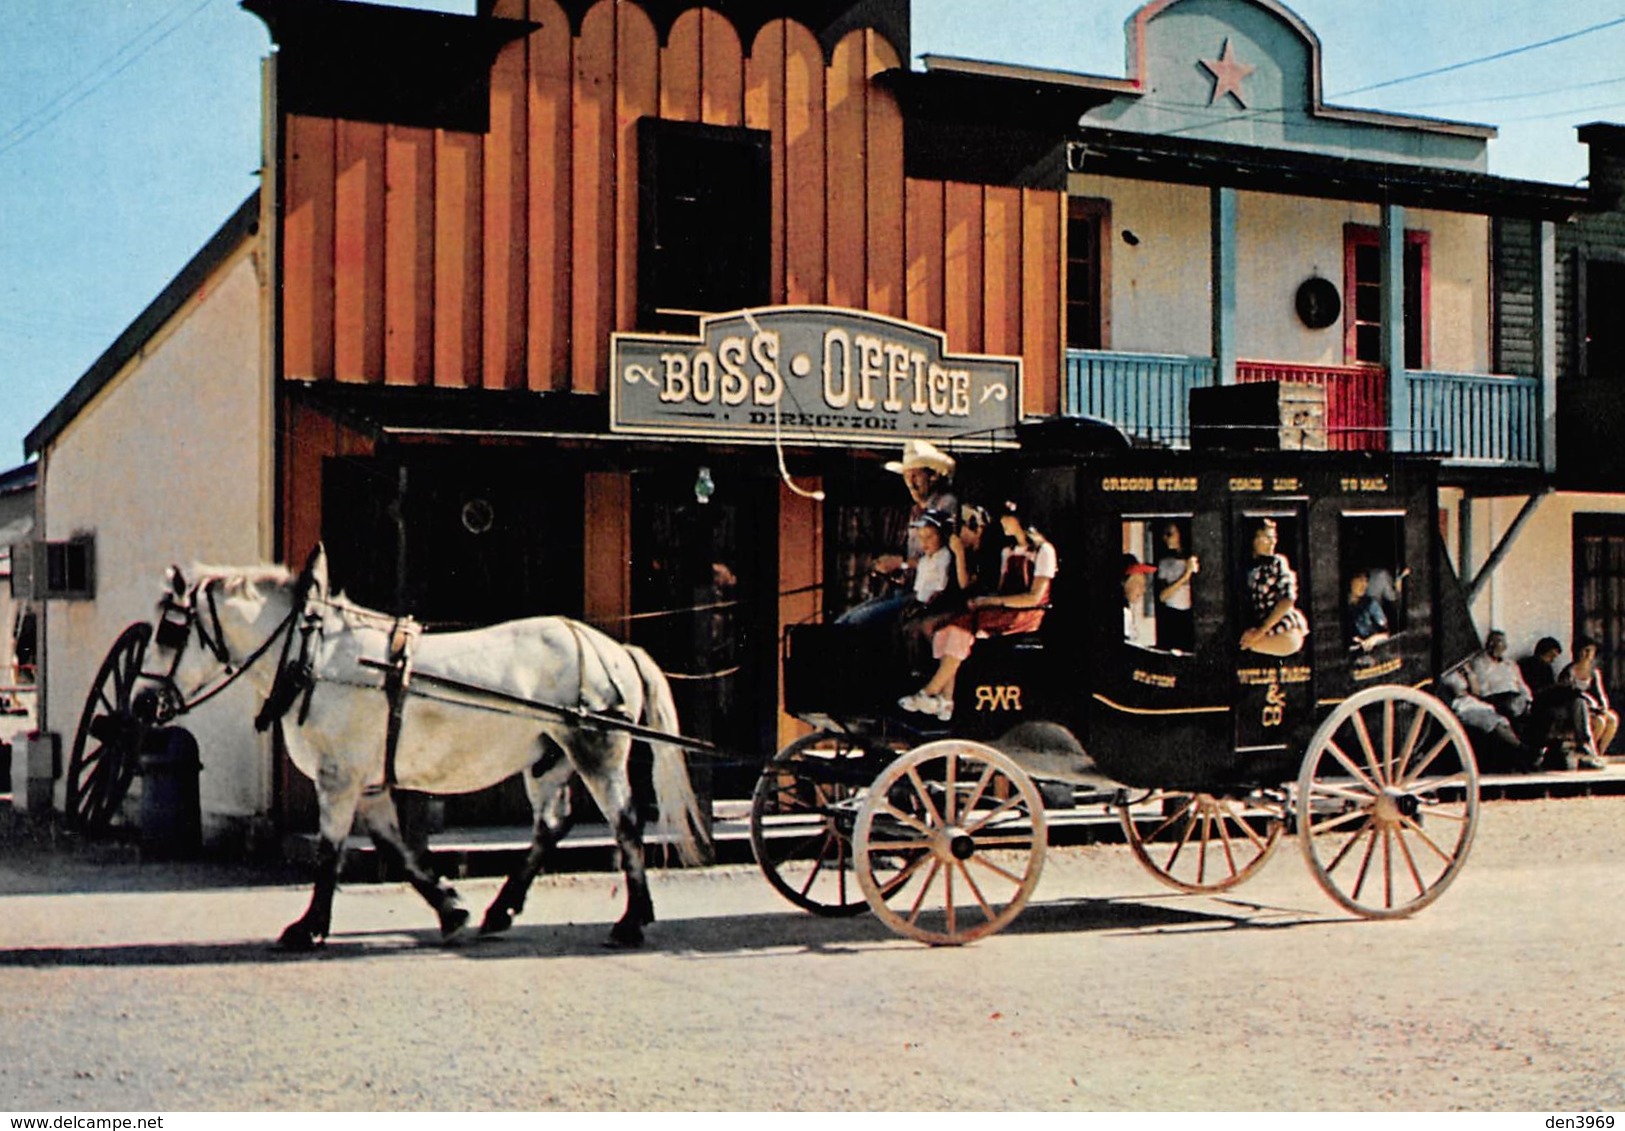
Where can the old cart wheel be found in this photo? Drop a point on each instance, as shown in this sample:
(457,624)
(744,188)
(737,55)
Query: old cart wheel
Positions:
(950,842)
(1199,842)
(802,815)
(1387,801)
(107,745)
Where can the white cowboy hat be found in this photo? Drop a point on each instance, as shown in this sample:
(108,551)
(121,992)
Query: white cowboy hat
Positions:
(922,453)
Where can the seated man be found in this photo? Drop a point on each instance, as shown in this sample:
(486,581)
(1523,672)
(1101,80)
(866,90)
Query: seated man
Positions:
(1539,668)
(1496,680)
(1496,744)
(926,472)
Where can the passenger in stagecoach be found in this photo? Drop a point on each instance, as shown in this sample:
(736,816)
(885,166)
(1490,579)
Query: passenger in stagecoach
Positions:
(970,573)
(1135,573)
(926,472)
(1028,564)
(1368,621)
(934,574)
(1279,626)
(1176,570)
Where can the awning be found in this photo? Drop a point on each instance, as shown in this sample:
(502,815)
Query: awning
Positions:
(1191,161)
(394,412)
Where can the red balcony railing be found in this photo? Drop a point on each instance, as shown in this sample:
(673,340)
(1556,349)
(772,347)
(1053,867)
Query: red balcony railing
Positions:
(1356,399)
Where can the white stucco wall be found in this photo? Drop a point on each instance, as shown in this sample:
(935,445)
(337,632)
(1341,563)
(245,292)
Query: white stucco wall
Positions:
(168,464)
(1531,594)
(1281,241)
(1459,301)
(1161,286)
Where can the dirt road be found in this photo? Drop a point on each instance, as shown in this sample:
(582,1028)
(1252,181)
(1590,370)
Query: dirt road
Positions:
(1108,993)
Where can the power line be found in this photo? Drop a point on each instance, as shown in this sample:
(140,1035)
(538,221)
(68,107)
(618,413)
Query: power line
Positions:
(77,92)
(1485,58)
(1575,112)
(1515,97)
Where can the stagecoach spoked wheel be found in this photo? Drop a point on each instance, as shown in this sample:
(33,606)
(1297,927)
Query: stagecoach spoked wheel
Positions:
(802,815)
(107,745)
(1387,801)
(950,842)
(1200,842)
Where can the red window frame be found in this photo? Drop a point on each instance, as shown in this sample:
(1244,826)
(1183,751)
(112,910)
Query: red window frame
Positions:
(1418,295)
(1088,314)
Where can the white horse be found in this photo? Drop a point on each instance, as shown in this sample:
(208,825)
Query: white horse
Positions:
(331,700)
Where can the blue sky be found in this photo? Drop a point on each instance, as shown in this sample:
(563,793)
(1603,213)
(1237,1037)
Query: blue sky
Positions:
(129,129)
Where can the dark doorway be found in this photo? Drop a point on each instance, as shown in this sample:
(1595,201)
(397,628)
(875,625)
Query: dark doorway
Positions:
(1603,332)
(704,604)
(455,537)
(458,537)
(1599,591)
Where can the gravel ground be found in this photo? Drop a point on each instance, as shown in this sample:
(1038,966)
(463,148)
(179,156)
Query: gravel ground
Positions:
(145,987)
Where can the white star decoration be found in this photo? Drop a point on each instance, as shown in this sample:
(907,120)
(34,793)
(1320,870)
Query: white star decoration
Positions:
(1228,71)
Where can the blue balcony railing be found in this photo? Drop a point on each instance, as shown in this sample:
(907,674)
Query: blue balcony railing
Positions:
(1476,418)
(1470,418)
(1147,395)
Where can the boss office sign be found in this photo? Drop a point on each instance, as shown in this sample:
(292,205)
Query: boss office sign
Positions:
(809,374)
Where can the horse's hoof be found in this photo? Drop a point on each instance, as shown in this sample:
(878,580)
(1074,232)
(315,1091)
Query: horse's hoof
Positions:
(299,938)
(452,923)
(497,920)
(625,936)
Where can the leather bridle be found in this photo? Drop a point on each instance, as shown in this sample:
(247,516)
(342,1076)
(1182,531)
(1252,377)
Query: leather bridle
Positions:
(179,620)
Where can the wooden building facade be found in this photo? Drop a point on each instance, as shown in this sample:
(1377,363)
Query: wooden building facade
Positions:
(449,282)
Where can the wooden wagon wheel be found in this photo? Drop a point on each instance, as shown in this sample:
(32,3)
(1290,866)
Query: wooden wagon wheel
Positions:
(1387,801)
(802,815)
(1200,842)
(107,745)
(950,842)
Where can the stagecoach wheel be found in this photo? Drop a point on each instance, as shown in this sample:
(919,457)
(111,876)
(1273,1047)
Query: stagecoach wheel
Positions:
(802,815)
(1202,843)
(1387,801)
(950,842)
(107,745)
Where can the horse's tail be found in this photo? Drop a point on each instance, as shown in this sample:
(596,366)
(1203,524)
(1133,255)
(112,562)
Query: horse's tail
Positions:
(679,821)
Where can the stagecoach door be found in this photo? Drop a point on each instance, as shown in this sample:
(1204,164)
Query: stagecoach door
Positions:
(1274,694)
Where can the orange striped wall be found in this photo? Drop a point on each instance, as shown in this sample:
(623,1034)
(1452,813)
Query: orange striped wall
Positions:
(504,260)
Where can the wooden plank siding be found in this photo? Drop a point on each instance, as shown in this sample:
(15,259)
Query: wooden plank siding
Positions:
(504,260)
(505,216)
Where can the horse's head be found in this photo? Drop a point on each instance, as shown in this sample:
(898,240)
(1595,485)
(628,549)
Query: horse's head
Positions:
(217,622)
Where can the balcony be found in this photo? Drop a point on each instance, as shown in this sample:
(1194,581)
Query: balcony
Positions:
(1476,419)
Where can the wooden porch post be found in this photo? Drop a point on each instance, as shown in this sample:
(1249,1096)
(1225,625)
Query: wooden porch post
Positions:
(1223,266)
(1391,246)
(1546,339)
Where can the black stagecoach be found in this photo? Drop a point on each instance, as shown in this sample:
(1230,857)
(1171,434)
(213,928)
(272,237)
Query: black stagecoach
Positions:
(1210,752)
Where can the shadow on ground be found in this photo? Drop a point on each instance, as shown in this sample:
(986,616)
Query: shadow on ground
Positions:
(695,937)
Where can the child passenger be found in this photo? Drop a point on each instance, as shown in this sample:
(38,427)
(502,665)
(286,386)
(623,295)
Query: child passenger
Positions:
(1027,566)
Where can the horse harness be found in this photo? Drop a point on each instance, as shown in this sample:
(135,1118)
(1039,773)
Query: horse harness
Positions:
(397,681)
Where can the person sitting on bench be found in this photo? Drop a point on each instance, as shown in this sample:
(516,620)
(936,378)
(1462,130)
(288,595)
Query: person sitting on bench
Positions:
(1027,566)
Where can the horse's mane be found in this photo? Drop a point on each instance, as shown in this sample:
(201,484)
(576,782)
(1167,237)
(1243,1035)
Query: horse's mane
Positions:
(267,574)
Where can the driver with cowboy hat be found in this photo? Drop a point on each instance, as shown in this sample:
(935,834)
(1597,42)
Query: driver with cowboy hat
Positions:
(925,469)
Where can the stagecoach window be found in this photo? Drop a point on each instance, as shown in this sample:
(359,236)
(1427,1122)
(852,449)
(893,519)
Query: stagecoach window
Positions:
(1371,561)
(1160,565)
